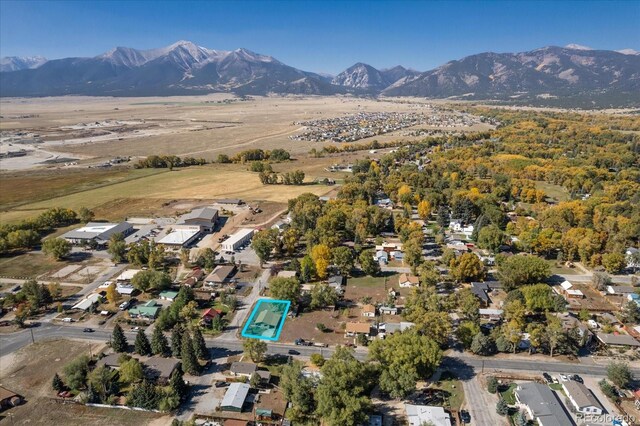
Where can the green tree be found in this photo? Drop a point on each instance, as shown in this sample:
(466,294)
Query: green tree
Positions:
(467,267)
(151,280)
(57,384)
(404,358)
(630,312)
(620,374)
(502,408)
(285,289)
(185,257)
(516,271)
(343,259)
(199,344)
(159,343)
(368,263)
(102,379)
(56,248)
(75,372)
(307,269)
(492,384)
(118,340)
(36,294)
(254,380)
(177,383)
(262,244)
(141,344)
(130,370)
(323,295)
(469,305)
(144,396)
(296,388)
(85,215)
(466,331)
(520,419)
(553,333)
(321,255)
(317,360)
(117,248)
(342,393)
(176,340)
(255,349)
(491,238)
(614,262)
(483,345)
(188,356)
(206,258)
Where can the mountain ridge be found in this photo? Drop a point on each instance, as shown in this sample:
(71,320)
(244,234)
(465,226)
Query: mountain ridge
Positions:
(186,68)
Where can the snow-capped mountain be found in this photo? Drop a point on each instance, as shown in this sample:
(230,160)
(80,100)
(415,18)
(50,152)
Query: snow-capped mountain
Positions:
(17,63)
(570,72)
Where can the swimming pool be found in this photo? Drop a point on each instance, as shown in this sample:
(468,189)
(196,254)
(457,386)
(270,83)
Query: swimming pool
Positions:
(266,319)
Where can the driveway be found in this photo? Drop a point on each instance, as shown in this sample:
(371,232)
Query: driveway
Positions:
(480,404)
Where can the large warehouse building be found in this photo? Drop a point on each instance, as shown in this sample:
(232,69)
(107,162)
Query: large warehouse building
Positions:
(238,239)
(98,231)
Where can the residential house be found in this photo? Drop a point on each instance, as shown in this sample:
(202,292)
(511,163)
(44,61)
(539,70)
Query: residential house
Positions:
(336,280)
(127,276)
(220,275)
(234,397)
(369,311)
(408,280)
(542,404)
(382,257)
(482,290)
(634,297)
(491,314)
(111,361)
(159,369)
(581,397)
(352,329)
(418,415)
(620,290)
(203,295)
(243,369)
(568,291)
(393,327)
(124,289)
(569,321)
(617,340)
(204,217)
(631,254)
(209,315)
(88,302)
(388,310)
(286,274)
(169,295)
(457,226)
(147,311)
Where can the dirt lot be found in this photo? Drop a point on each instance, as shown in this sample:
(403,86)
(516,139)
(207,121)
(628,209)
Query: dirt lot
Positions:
(304,326)
(592,301)
(29,372)
(38,264)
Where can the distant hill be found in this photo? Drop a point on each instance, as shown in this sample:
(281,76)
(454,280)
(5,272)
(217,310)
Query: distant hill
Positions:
(17,63)
(573,73)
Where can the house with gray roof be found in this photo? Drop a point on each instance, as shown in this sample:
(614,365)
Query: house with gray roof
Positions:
(619,340)
(581,397)
(542,405)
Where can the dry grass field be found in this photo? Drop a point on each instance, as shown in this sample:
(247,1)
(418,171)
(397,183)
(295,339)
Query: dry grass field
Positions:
(29,372)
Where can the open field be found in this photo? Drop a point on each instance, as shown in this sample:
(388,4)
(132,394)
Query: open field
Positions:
(98,128)
(29,372)
(27,265)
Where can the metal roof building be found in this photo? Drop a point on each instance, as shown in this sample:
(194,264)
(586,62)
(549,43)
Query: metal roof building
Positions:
(239,238)
(234,397)
(98,231)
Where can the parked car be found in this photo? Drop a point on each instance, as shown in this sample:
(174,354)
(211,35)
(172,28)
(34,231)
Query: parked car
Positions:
(547,378)
(293,352)
(135,328)
(564,378)
(221,384)
(465,417)
(87,330)
(577,378)
(67,319)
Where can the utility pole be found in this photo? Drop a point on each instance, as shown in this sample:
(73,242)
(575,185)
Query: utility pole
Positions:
(32,338)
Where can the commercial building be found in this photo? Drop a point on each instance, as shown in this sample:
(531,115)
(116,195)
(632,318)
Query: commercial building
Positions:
(220,275)
(88,302)
(204,217)
(182,237)
(98,232)
(238,239)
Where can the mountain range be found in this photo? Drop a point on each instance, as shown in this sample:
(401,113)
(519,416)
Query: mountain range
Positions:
(572,72)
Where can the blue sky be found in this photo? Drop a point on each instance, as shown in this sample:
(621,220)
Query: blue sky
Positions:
(321,36)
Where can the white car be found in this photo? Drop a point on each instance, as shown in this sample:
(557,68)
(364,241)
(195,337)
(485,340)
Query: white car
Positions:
(564,378)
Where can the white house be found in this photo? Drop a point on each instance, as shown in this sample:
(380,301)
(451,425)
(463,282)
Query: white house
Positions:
(425,414)
(633,260)
(124,289)
(89,301)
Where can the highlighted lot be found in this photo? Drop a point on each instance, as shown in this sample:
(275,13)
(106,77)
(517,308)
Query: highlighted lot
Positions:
(266,320)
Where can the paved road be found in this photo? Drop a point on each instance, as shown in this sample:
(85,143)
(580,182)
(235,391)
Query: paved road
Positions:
(480,404)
